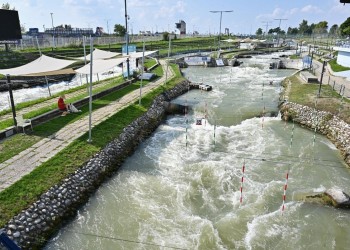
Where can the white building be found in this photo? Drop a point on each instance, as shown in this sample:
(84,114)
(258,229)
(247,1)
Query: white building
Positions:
(343,56)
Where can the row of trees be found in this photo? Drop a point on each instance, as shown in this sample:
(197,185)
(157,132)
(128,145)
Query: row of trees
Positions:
(306,29)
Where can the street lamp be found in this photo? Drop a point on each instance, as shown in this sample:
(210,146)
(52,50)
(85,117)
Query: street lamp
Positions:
(220,11)
(127,40)
(108,25)
(51,19)
(53,31)
(279,27)
(167,65)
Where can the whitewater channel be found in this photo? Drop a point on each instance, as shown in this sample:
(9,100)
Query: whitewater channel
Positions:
(181,188)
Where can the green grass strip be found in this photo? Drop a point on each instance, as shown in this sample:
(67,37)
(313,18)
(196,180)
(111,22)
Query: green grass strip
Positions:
(336,67)
(27,190)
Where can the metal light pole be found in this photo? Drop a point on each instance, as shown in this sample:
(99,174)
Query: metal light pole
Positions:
(267,26)
(9,85)
(127,40)
(167,62)
(109,43)
(108,26)
(323,69)
(220,11)
(53,30)
(143,65)
(90,90)
(279,27)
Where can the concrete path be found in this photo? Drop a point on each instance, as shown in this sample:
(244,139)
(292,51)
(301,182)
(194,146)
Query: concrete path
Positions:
(15,168)
(329,78)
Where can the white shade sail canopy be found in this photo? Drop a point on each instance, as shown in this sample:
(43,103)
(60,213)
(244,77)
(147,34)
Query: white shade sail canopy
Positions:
(139,54)
(38,66)
(100,54)
(100,66)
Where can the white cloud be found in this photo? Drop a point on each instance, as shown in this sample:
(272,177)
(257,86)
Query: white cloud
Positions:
(311,9)
(292,11)
(276,13)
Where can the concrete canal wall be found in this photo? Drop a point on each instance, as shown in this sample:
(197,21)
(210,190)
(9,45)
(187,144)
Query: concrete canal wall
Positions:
(337,130)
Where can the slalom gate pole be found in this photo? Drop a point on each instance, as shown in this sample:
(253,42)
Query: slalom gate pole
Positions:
(292,135)
(314,137)
(242,180)
(214,134)
(186,120)
(263,117)
(206,114)
(284,192)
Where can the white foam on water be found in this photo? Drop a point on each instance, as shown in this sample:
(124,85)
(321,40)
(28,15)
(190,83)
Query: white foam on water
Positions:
(270,225)
(190,197)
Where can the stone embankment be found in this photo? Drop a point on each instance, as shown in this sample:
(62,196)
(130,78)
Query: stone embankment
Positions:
(32,227)
(326,123)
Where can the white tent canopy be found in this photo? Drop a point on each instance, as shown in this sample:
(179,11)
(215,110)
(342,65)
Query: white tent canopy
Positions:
(40,65)
(100,66)
(139,54)
(99,54)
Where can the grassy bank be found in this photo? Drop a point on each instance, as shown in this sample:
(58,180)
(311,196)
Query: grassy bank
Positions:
(336,67)
(24,192)
(307,94)
(19,142)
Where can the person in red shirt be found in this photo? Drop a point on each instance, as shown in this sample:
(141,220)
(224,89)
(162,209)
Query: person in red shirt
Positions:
(62,106)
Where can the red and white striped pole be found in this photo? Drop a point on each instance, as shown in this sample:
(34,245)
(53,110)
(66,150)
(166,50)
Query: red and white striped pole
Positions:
(206,114)
(242,180)
(284,191)
(263,117)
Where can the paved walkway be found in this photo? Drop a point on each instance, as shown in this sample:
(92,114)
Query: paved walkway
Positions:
(328,78)
(15,168)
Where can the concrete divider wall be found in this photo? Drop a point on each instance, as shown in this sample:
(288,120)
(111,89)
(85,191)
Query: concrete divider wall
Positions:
(337,130)
(36,224)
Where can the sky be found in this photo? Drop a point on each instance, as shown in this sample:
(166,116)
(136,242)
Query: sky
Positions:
(161,15)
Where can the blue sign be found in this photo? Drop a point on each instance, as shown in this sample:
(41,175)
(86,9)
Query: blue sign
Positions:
(131,49)
(307,60)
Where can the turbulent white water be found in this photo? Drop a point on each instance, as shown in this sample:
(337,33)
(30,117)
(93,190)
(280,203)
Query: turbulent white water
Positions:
(169,195)
(29,94)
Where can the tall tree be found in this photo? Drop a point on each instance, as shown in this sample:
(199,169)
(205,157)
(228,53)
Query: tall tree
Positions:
(345,27)
(259,32)
(275,30)
(119,30)
(292,31)
(6,6)
(334,29)
(303,27)
(321,27)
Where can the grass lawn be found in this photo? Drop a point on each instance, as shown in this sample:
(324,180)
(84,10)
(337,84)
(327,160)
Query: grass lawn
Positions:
(26,191)
(307,94)
(336,67)
(111,83)
(13,146)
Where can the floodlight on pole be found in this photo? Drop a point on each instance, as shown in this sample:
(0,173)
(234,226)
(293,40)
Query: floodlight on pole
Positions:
(51,19)
(279,27)
(53,30)
(267,26)
(220,11)
(127,40)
